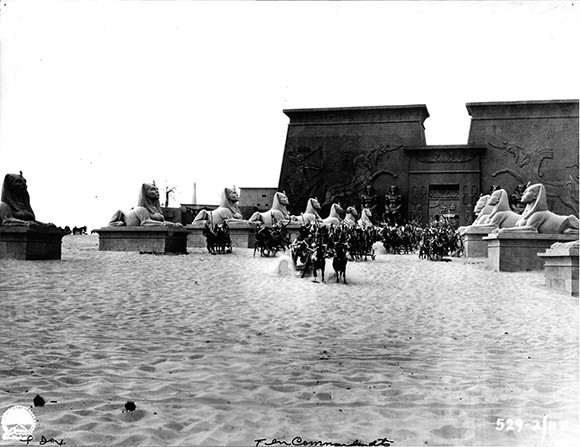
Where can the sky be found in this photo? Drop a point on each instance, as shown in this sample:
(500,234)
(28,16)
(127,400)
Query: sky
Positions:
(98,97)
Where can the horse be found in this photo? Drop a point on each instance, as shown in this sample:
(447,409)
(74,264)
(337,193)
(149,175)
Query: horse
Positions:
(79,230)
(210,238)
(334,217)
(315,260)
(339,262)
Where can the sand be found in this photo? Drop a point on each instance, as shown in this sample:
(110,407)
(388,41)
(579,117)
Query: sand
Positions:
(230,349)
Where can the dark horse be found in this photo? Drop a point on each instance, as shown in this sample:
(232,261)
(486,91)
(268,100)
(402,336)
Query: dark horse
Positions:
(79,230)
(339,262)
(315,260)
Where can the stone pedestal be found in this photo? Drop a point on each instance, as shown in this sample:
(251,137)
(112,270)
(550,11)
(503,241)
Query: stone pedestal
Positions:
(473,243)
(561,267)
(516,252)
(30,243)
(243,234)
(154,239)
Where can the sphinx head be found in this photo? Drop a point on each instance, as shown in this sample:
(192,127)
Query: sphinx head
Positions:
(314,203)
(532,193)
(16,183)
(495,197)
(481,202)
(232,195)
(352,210)
(282,198)
(151,191)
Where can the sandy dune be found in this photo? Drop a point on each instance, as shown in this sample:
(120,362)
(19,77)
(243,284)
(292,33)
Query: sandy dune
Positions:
(226,350)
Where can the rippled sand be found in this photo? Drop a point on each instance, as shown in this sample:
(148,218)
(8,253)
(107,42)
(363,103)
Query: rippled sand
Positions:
(226,350)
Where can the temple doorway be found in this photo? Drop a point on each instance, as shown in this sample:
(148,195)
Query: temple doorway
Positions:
(444,202)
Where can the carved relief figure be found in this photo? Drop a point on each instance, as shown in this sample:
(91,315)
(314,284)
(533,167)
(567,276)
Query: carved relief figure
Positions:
(516,204)
(529,164)
(365,171)
(369,199)
(147,212)
(15,209)
(537,219)
(306,175)
(277,214)
(227,211)
(393,205)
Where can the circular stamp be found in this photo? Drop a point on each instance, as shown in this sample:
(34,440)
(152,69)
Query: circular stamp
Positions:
(18,422)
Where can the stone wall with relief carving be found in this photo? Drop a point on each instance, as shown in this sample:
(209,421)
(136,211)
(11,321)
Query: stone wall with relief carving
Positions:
(333,154)
(529,141)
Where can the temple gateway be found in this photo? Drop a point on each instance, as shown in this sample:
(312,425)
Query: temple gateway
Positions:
(377,157)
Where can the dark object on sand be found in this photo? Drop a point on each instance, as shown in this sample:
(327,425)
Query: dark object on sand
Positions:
(130,406)
(38,401)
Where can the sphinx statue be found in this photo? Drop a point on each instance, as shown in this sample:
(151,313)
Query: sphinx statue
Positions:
(147,212)
(351,216)
(227,211)
(311,214)
(277,214)
(334,218)
(365,220)
(482,209)
(501,215)
(537,219)
(15,209)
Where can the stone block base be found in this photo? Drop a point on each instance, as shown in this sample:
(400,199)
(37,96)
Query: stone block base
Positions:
(561,267)
(153,239)
(516,252)
(30,243)
(473,243)
(243,234)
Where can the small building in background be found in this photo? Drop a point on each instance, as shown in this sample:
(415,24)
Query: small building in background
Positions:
(255,199)
(190,210)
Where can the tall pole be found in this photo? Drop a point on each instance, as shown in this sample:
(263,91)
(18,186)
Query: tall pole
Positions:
(194,193)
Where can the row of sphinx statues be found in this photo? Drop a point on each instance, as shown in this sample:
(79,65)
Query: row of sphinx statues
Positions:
(494,214)
(493,211)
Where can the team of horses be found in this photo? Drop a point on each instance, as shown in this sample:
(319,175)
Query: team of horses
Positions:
(319,240)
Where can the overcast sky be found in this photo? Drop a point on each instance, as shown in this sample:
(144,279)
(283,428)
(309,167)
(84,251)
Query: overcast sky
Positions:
(98,97)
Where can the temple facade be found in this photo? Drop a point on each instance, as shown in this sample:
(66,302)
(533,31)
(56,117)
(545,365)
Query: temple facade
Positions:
(378,155)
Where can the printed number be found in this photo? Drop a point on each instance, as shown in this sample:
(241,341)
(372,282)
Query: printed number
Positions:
(509,425)
(536,425)
(519,424)
(499,424)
